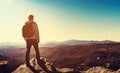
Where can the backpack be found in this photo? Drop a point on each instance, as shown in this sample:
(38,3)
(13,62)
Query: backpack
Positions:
(27,30)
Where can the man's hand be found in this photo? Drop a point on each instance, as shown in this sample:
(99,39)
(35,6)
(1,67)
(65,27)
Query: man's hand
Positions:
(38,41)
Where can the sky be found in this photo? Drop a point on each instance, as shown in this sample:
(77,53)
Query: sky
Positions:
(60,20)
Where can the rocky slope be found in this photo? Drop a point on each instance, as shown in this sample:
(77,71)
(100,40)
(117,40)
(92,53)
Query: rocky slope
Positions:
(100,70)
(37,69)
(85,56)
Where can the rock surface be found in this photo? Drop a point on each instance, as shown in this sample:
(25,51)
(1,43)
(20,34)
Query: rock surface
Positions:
(24,69)
(100,70)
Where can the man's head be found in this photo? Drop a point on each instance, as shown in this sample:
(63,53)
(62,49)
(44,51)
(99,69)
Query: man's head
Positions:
(30,17)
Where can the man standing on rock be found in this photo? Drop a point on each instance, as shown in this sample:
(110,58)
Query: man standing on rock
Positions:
(30,33)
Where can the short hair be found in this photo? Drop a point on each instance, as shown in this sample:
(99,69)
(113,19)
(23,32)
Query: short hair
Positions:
(30,17)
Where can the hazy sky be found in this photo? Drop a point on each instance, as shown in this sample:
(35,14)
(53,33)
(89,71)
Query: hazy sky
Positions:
(60,20)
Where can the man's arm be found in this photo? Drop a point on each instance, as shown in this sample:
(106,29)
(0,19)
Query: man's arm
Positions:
(37,32)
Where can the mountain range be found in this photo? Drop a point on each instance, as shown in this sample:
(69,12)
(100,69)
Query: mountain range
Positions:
(54,43)
(75,54)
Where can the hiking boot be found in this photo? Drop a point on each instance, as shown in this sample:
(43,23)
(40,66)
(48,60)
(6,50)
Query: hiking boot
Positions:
(42,65)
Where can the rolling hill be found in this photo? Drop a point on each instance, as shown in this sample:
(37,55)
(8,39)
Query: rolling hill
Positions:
(75,54)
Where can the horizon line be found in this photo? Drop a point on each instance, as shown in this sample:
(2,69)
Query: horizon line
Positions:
(60,41)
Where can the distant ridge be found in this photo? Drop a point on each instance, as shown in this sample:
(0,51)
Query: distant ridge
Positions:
(6,45)
(79,42)
(63,43)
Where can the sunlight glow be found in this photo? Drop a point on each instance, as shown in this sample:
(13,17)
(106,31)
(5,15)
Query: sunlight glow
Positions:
(10,1)
(57,23)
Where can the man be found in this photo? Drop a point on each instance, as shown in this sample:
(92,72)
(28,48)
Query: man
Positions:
(30,33)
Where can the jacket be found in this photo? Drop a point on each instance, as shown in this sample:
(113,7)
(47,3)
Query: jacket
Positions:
(36,33)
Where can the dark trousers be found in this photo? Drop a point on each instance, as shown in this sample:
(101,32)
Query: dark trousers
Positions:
(29,44)
(34,43)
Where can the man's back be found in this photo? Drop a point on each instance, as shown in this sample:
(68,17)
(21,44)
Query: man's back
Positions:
(27,30)
(34,31)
